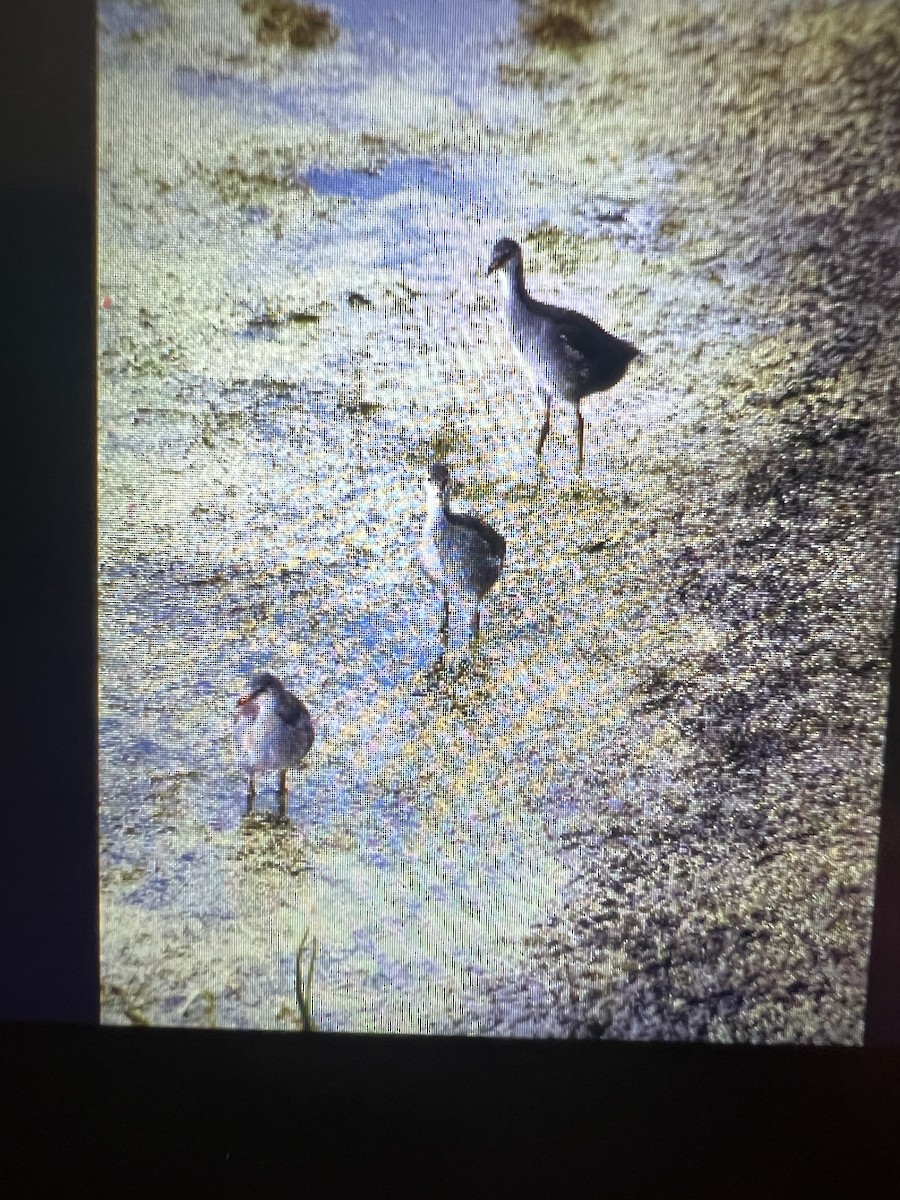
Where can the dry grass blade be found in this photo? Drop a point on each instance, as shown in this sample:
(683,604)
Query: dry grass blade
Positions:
(304,986)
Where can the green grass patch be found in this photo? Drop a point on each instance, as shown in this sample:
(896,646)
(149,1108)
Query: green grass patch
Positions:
(303,981)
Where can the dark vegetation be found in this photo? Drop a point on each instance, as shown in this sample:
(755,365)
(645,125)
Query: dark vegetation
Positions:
(736,908)
(564,24)
(284,22)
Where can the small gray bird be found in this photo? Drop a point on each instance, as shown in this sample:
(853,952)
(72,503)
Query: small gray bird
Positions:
(273,731)
(461,554)
(568,355)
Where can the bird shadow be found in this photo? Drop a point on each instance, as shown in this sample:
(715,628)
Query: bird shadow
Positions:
(271,842)
(449,670)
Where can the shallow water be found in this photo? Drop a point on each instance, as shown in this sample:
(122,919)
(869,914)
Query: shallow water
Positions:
(413,808)
(299,321)
(275,527)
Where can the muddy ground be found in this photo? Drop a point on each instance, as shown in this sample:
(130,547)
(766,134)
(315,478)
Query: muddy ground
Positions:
(648,807)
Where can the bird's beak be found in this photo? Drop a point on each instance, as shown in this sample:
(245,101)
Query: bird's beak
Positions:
(497,261)
(243,700)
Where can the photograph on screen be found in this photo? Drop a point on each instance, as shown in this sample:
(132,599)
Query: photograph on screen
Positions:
(497,487)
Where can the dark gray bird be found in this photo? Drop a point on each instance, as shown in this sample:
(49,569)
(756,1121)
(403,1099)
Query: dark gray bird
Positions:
(568,355)
(273,731)
(461,554)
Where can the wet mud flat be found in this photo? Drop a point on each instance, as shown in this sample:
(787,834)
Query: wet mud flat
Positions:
(648,807)
(743,913)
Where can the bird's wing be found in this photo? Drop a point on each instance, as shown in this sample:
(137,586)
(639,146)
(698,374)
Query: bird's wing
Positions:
(597,358)
(496,541)
(578,332)
(589,339)
(579,337)
(291,709)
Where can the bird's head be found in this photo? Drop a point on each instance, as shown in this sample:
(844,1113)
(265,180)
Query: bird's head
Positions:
(437,481)
(506,253)
(259,684)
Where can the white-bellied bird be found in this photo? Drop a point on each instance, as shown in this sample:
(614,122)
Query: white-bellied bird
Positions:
(568,355)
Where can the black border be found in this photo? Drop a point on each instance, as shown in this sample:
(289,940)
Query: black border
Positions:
(883,999)
(47,253)
(150,1112)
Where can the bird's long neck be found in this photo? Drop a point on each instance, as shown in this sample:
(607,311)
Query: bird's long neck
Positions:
(268,702)
(437,506)
(514,285)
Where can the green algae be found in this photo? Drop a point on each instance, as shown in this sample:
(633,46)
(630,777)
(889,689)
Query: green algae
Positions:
(611,681)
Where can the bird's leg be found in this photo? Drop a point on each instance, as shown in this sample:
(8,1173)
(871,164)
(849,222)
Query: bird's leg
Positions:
(476,624)
(282,794)
(580,440)
(444,633)
(545,428)
(251,794)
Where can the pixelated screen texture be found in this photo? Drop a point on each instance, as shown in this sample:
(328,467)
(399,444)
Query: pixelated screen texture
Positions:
(643,802)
